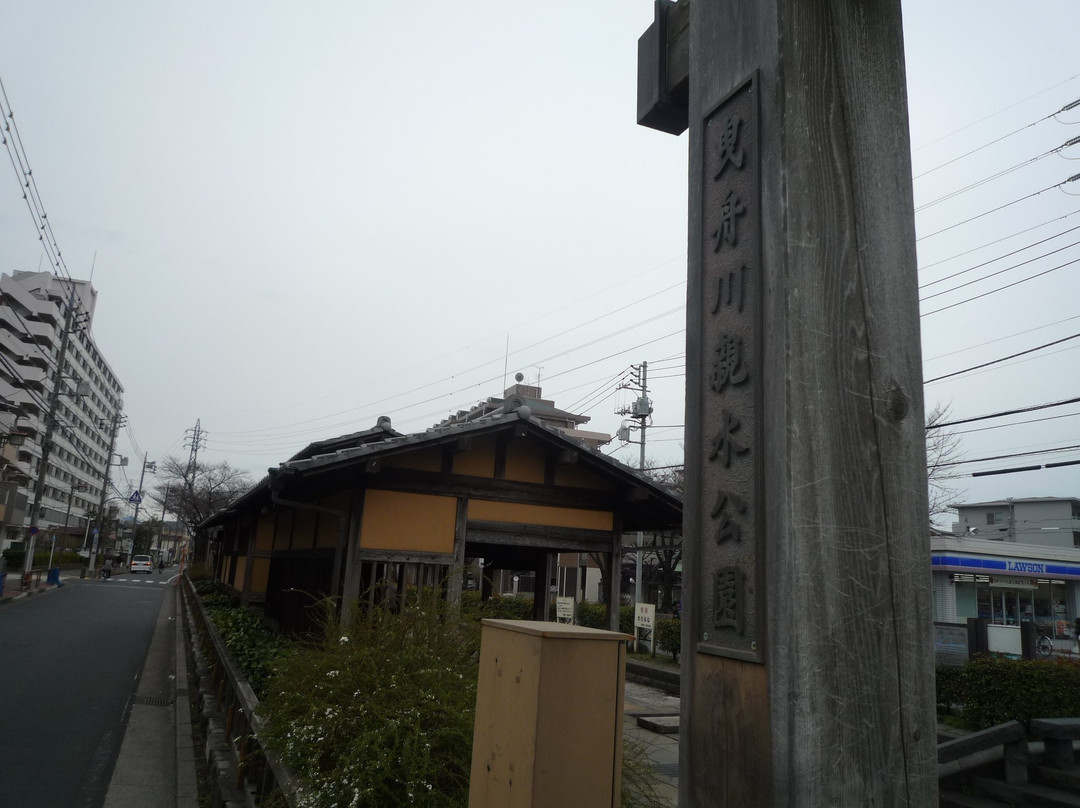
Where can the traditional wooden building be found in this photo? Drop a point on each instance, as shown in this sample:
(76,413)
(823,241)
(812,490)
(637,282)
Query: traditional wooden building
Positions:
(368,515)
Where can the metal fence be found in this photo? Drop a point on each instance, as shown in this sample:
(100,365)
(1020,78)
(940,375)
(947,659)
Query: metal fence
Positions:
(241,769)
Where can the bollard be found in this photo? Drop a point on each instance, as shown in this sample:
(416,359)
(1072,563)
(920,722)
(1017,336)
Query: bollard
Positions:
(3,578)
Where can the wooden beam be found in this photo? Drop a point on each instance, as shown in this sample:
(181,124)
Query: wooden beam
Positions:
(560,539)
(422,482)
(664,68)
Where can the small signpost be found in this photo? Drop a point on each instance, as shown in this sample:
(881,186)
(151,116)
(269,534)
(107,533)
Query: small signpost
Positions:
(564,609)
(645,618)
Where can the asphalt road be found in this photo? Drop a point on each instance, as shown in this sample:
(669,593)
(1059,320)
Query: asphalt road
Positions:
(69,662)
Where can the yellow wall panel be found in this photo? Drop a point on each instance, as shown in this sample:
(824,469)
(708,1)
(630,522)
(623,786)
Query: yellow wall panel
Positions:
(425,460)
(328,530)
(408,522)
(238,573)
(524,462)
(574,476)
(488,510)
(260,574)
(264,533)
(478,460)
(303,530)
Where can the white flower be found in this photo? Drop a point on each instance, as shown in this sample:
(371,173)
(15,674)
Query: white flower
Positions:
(343,639)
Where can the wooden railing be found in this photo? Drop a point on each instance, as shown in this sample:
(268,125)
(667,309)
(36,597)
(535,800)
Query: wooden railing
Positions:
(240,767)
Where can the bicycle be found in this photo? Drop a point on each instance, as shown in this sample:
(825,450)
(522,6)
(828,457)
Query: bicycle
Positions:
(1044,646)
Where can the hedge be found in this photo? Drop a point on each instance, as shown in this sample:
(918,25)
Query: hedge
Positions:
(990,690)
(669,636)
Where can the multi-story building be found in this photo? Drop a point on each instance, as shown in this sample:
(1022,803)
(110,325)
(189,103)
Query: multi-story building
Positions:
(32,309)
(530,395)
(1008,561)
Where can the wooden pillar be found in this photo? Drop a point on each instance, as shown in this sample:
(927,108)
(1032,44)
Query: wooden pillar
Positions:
(456,575)
(614,572)
(353,578)
(541,594)
(249,564)
(807,672)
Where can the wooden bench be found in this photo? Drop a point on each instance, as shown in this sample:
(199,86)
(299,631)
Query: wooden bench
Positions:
(1058,735)
(1010,735)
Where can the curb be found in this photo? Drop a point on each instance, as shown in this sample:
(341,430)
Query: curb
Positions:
(187,787)
(645,674)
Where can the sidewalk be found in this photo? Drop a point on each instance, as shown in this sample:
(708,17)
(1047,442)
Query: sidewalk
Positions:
(651,717)
(156,764)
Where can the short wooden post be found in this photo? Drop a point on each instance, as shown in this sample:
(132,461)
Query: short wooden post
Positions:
(548,729)
(808,672)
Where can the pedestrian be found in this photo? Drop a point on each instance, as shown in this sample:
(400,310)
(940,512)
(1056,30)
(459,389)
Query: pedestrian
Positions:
(160,565)
(106,569)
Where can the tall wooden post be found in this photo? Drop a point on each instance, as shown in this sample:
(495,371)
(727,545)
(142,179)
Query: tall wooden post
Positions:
(807,673)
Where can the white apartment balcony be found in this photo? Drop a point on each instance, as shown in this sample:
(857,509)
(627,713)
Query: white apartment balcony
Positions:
(18,294)
(44,333)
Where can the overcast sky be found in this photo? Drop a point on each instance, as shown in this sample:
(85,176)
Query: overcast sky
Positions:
(306,216)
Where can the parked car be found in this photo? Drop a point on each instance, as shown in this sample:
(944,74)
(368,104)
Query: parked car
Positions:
(142,563)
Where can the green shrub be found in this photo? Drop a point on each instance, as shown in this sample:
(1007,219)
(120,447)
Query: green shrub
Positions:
(590,614)
(380,714)
(218,600)
(594,615)
(251,644)
(994,690)
(669,637)
(949,681)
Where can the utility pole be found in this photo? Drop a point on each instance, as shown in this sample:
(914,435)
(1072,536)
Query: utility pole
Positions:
(117,417)
(50,428)
(164,508)
(197,438)
(150,465)
(641,410)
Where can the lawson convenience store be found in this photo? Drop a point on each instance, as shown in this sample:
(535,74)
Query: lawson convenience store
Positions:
(1005,583)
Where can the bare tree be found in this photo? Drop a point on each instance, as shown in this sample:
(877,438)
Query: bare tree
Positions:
(943,456)
(193,497)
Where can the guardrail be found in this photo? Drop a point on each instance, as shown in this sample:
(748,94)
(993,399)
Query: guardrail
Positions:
(241,768)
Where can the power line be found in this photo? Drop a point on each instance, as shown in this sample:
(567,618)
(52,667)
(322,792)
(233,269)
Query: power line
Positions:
(1000,288)
(999,174)
(998,112)
(996,273)
(1011,456)
(1004,413)
(998,208)
(1002,257)
(1002,359)
(924,267)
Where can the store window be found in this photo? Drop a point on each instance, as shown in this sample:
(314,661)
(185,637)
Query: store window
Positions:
(1041,601)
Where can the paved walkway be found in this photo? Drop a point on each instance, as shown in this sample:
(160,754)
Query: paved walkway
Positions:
(648,705)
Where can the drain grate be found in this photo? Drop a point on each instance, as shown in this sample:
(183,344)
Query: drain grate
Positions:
(155,701)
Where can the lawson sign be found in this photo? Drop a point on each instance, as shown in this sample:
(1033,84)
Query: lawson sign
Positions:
(988,565)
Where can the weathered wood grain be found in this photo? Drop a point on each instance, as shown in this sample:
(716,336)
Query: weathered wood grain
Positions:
(849,657)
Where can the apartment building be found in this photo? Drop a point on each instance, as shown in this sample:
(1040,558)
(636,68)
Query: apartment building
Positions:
(32,309)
